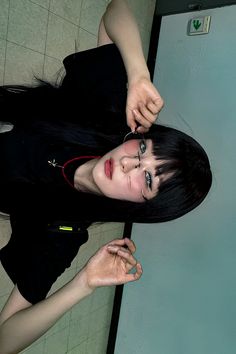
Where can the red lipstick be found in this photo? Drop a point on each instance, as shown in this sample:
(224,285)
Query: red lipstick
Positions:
(108,168)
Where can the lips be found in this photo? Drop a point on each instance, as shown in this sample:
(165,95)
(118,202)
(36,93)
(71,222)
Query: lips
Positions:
(108,167)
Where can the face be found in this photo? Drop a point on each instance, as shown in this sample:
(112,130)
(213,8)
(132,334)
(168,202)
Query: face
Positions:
(128,172)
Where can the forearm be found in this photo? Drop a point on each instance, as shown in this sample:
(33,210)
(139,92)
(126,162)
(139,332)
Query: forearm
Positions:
(122,28)
(26,326)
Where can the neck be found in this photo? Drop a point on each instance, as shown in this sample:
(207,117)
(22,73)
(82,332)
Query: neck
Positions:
(83,178)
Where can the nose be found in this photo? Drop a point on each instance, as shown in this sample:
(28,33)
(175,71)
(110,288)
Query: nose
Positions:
(128,163)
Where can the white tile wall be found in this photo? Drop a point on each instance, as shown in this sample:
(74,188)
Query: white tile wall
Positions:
(34,38)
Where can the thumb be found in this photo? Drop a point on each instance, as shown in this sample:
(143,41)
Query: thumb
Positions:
(131,120)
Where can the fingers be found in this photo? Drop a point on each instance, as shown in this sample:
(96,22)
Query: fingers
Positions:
(130,244)
(155,106)
(146,114)
(124,242)
(144,117)
(118,247)
(134,276)
(137,275)
(125,254)
(142,130)
(114,264)
(131,119)
(130,263)
(143,104)
(155,101)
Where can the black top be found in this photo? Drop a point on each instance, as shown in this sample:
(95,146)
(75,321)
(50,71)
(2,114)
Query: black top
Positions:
(37,195)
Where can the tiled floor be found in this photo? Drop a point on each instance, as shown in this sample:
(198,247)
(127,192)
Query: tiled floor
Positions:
(34,38)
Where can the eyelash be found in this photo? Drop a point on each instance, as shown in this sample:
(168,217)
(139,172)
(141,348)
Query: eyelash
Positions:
(148,177)
(142,146)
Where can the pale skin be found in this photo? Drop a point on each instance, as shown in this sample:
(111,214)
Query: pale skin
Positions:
(133,175)
(112,263)
(109,266)
(144,102)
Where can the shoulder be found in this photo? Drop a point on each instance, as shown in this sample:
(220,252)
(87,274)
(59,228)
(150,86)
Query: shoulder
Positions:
(96,72)
(91,54)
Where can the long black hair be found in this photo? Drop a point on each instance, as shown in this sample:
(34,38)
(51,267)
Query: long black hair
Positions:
(55,112)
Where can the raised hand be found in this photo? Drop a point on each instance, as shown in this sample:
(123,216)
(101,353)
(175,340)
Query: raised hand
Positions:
(111,265)
(143,104)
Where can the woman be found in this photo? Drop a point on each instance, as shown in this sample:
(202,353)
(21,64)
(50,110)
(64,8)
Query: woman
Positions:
(65,153)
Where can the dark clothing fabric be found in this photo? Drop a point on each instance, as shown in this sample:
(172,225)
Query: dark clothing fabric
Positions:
(102,81)
(41,203)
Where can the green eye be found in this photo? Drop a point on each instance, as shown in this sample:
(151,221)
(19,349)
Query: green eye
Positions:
(148,179)
(142,146)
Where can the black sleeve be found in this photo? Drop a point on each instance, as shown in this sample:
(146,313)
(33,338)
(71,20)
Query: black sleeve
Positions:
(98,76)
(37,255)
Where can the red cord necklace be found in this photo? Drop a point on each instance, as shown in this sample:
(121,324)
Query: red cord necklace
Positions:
(53,163)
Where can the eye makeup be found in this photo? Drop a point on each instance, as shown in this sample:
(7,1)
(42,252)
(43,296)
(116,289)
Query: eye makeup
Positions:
(148,178)
(138,148)
(142,146)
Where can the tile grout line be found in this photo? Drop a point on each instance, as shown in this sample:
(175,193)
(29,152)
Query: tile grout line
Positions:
(5,57)
(45,44)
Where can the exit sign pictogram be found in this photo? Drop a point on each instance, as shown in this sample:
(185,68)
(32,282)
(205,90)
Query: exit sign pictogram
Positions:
(199,25)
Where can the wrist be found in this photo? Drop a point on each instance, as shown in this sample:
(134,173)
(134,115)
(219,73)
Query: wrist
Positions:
(138,80)
(138,72)
(80,281)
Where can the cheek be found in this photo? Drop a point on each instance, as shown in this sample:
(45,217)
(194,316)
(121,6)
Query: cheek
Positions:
(131,146)
(137,186)
(138,183)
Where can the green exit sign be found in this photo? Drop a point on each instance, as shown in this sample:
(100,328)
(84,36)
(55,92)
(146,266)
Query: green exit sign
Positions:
(199,25)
